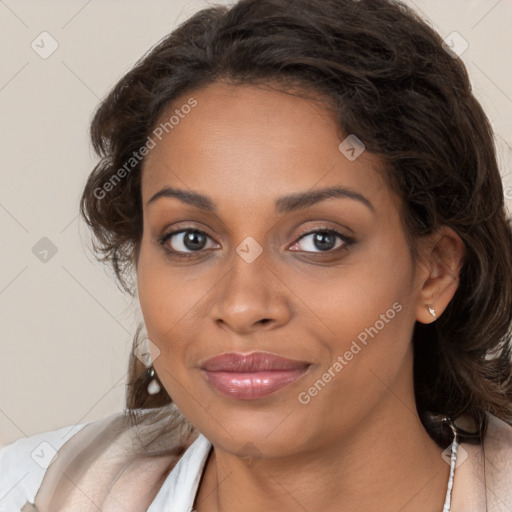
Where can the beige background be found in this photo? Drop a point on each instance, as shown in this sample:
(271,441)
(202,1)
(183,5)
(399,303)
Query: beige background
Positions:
(66,329)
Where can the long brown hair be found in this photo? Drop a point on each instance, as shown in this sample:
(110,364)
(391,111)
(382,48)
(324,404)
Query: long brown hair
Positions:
(387,76)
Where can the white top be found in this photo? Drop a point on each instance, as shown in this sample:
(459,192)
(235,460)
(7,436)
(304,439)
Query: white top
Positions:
(24,463)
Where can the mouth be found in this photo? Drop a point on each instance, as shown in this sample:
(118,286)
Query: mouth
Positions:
(251,376)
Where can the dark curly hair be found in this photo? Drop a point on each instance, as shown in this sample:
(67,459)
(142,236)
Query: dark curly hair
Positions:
(387,76)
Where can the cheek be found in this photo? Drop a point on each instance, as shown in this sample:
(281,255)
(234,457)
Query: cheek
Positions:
(173,305)
(157,292)
(365,318)
(173,302)
(158,288)
(361,294)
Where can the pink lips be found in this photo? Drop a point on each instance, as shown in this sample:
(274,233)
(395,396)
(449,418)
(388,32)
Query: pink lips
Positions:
(251,376)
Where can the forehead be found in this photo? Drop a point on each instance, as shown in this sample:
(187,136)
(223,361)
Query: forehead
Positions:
(251,144)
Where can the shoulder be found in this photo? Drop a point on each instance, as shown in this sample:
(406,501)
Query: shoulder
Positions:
(24,462)
(483,475)
(121,458)
(497,462)
(498,450)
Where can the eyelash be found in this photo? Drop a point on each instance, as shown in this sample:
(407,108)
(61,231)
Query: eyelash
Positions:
(348,241)
(172,252)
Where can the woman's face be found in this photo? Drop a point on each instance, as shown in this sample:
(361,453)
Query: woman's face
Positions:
(341,306)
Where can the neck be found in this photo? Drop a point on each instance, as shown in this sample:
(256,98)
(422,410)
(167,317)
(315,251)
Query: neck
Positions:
(387,462)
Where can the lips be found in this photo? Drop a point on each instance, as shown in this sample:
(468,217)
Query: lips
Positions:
(251,376)
(251,363)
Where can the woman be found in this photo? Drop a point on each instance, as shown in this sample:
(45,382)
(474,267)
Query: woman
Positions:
(307,196)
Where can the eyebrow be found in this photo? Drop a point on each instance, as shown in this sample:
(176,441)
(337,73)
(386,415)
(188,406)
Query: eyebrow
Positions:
(285,204)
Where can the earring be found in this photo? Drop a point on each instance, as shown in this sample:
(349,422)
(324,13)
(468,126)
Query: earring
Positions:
(432,311)
(153,386)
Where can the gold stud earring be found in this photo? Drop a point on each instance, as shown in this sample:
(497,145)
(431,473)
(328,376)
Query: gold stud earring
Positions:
(432,311)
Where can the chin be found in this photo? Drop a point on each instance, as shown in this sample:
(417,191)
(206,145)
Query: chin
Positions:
(269,433)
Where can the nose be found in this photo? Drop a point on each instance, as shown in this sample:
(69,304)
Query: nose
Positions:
(250,298)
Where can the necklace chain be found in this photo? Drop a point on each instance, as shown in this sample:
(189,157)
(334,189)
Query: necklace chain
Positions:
(448,500)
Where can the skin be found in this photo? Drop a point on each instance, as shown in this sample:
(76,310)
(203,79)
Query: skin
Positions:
(358,444)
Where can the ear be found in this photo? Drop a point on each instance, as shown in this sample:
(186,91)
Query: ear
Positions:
(438,273)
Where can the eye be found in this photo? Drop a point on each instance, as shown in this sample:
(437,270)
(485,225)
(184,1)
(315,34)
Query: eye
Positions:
(321,240)
(186,241)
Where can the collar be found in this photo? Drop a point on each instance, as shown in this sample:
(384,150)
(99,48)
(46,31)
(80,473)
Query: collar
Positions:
(178,492)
